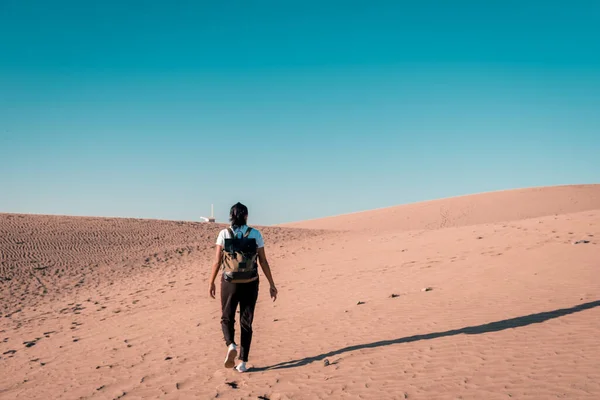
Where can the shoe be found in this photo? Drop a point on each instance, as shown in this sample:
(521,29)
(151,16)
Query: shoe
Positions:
(231,355)
(242,367)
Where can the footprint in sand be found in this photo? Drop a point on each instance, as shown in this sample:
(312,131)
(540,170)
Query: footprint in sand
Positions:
(233,385)
(31,343)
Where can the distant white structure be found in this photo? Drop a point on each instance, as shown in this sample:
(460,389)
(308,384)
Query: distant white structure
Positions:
(212,215)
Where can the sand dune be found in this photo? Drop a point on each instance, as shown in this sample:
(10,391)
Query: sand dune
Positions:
(512,311)
(483,208)
(43,256)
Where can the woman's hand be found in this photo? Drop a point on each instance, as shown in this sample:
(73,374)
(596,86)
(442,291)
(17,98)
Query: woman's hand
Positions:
(264,264)
(215,269)
(273,292)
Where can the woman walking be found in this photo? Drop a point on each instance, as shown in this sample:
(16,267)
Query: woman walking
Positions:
(239,249)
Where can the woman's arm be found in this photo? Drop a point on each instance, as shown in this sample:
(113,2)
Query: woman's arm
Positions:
(264,264)
(214,271)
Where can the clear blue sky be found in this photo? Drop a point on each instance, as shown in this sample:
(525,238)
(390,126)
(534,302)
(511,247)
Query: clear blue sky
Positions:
(299,109)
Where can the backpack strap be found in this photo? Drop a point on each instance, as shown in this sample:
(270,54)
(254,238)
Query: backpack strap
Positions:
(231,233)
(247,232)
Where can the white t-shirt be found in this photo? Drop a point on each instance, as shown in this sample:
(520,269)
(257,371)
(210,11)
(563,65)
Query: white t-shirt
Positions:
(239,232)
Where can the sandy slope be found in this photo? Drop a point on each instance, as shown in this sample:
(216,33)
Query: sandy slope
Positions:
(483,208)
(513,311)
(46,256)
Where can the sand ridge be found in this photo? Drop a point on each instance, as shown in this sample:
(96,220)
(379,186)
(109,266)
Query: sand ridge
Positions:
(512,311)
(482,208)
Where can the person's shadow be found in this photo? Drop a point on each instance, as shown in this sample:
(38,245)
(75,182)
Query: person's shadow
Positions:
(470,330)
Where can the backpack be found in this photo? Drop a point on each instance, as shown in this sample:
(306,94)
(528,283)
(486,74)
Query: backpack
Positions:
(239,257)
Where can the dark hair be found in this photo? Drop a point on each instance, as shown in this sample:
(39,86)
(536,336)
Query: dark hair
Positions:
(238,215)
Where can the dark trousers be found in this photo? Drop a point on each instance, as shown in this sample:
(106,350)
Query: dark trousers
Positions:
(244,294)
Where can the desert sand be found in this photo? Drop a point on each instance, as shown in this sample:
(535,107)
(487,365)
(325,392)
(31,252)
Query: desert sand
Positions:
(487,296)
